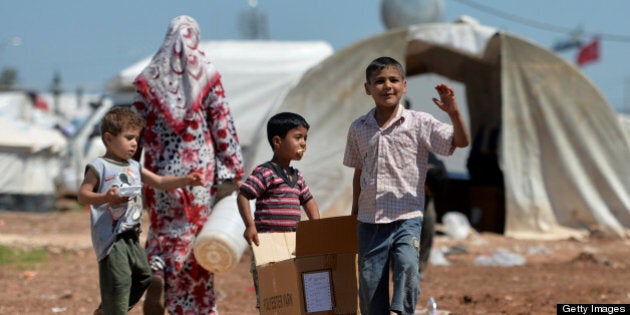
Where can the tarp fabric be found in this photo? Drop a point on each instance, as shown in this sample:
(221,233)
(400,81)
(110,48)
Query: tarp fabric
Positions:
(564,153)
(255,74)
(562,149)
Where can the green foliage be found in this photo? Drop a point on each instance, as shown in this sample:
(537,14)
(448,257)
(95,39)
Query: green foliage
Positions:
(22,257)
(8,78)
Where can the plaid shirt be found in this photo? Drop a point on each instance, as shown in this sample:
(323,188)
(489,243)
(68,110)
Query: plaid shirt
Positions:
(393,161)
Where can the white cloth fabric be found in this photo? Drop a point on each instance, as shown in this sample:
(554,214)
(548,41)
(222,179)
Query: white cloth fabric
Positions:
(179,76)
(564,153)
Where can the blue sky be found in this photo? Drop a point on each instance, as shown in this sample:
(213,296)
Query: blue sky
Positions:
(88,42)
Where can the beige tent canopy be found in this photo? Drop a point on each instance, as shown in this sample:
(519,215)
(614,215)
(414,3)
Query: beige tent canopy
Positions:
(562,150)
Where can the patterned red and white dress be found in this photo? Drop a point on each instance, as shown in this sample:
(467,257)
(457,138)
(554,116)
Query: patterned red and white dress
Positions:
(189,128)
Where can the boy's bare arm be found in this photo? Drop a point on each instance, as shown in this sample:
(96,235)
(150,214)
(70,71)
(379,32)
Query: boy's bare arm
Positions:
(171,182)
(448,103)
(356,190)
(87,196)
(250,234)
(311,209)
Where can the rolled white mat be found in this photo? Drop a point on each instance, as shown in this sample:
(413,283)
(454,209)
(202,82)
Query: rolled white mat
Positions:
(220,244)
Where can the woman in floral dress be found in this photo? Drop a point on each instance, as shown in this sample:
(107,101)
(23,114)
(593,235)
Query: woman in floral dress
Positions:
(189,128)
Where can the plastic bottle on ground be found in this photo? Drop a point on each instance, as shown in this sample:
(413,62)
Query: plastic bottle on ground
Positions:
(432,307)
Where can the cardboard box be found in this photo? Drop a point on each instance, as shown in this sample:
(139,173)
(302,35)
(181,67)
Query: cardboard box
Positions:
(311,271)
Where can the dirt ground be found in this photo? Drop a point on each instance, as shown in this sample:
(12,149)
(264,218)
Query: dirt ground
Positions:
(592,270)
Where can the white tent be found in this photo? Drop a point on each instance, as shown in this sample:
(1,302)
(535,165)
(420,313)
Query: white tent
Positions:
(30,154)
(562,150)
(625,122)
(256,74)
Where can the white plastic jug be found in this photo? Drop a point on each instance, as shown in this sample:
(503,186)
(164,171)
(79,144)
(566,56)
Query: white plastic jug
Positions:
(220,244)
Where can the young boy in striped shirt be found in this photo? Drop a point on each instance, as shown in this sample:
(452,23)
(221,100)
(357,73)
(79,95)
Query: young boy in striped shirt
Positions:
(279,189)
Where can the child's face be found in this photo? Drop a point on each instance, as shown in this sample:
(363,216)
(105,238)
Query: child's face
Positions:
(387,87)
(293,145)
(124,145)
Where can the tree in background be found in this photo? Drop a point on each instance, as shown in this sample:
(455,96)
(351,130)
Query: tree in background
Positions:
(8,78)
(56,90)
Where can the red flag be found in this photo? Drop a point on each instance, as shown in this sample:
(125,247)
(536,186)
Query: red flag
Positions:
(588,53)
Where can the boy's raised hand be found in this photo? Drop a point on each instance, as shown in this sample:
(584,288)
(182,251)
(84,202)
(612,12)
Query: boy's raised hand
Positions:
(447,101)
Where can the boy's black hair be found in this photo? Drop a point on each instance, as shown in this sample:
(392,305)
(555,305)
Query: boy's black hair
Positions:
(281,123)
(119,118)
(381,63)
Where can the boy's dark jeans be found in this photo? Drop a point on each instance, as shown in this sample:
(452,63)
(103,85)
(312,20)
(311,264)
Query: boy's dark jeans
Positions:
(396,245)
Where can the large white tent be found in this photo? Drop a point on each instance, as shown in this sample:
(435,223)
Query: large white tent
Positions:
(561,148)
(256,75)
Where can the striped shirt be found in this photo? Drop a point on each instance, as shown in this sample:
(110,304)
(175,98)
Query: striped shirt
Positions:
(393,161)
(278,199)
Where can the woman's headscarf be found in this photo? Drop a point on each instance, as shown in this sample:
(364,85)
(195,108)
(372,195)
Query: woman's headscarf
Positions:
(179,76)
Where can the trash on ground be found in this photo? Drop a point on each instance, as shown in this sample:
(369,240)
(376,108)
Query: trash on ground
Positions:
(500,257)
(28,274)
(432,307)
(437,258)
(539,249)
(456,249)
(457,225)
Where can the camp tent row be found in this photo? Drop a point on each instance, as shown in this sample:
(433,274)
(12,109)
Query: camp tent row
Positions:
(560,148)
(31,152)
(559,145)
